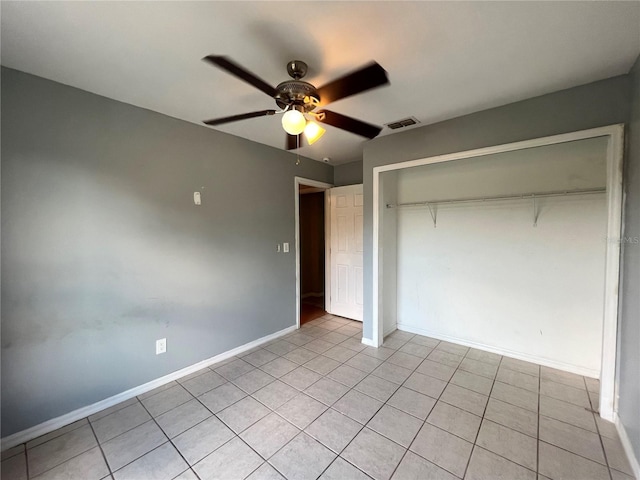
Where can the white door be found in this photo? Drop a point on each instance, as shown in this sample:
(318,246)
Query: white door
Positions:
(346,234)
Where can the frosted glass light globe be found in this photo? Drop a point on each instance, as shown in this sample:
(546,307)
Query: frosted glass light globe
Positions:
(293,122)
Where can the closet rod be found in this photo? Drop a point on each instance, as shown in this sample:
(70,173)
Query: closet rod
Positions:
(562,193)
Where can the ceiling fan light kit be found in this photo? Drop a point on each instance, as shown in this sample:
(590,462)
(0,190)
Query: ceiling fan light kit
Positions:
(296,98)
(293,122)
(313,132)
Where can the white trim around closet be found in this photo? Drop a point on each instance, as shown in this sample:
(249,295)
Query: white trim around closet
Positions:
(615,133)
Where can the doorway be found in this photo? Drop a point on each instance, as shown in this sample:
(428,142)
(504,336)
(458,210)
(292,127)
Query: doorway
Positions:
(312,250)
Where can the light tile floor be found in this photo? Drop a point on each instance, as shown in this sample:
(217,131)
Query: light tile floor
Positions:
(319,404)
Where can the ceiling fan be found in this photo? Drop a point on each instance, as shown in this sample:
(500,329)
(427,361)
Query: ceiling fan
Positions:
(296,98)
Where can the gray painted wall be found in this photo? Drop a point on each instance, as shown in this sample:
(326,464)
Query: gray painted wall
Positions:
(347,174)
(103,250)
(629,339)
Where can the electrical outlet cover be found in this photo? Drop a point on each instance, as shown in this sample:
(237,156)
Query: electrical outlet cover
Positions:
(161,346)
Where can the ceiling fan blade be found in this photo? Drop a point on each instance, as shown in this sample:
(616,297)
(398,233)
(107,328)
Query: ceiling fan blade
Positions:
(294,141)
(242,116)
(368,77)
(349,124)
(234,69)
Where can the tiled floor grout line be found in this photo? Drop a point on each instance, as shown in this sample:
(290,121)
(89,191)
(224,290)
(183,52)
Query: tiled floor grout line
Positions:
(328,406)
(381,407)
(402,384)
(26,460)
(235,435)
(163,433)
(475,440)
(567,423)
(331,406)
(168,439)
(457,368)
(121,433)
(538,422)
(354,437)
(154,420)
(604,451)
(15,454)
(57,464)
(577,454)
(298,393)
(538,440)
(574,426)
(439,399)
(539,394)
(564,422)
(408,449)
(104,457)
(57,436)
(265,460)
(187,470)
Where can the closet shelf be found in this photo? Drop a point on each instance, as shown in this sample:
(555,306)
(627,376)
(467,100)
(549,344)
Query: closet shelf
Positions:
(527,196)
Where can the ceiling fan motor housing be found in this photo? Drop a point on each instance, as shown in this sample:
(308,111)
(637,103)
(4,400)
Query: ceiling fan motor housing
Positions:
(299,94)
(295,93)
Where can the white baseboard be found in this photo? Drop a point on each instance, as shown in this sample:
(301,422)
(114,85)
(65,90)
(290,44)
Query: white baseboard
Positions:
(390,329)
(587,372)
(369,342)
(59,422)
(628,448)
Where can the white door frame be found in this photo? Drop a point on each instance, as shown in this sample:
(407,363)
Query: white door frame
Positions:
(297,181)
(615,133)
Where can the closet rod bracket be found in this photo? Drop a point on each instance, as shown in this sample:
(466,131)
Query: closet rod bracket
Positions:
(434,214)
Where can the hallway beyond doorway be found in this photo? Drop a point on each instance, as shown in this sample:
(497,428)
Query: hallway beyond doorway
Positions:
(311,308)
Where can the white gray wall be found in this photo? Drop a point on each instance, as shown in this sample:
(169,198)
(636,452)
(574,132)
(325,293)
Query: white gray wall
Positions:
(486,276)
(103,250)
(629,339)
(388,252)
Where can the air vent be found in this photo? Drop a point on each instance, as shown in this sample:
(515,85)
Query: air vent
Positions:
(405,122)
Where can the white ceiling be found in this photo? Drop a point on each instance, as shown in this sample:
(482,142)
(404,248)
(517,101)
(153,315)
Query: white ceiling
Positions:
(444,59)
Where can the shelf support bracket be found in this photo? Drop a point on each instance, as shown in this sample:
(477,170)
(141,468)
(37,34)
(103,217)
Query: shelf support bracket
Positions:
(434,214)
(535,210)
